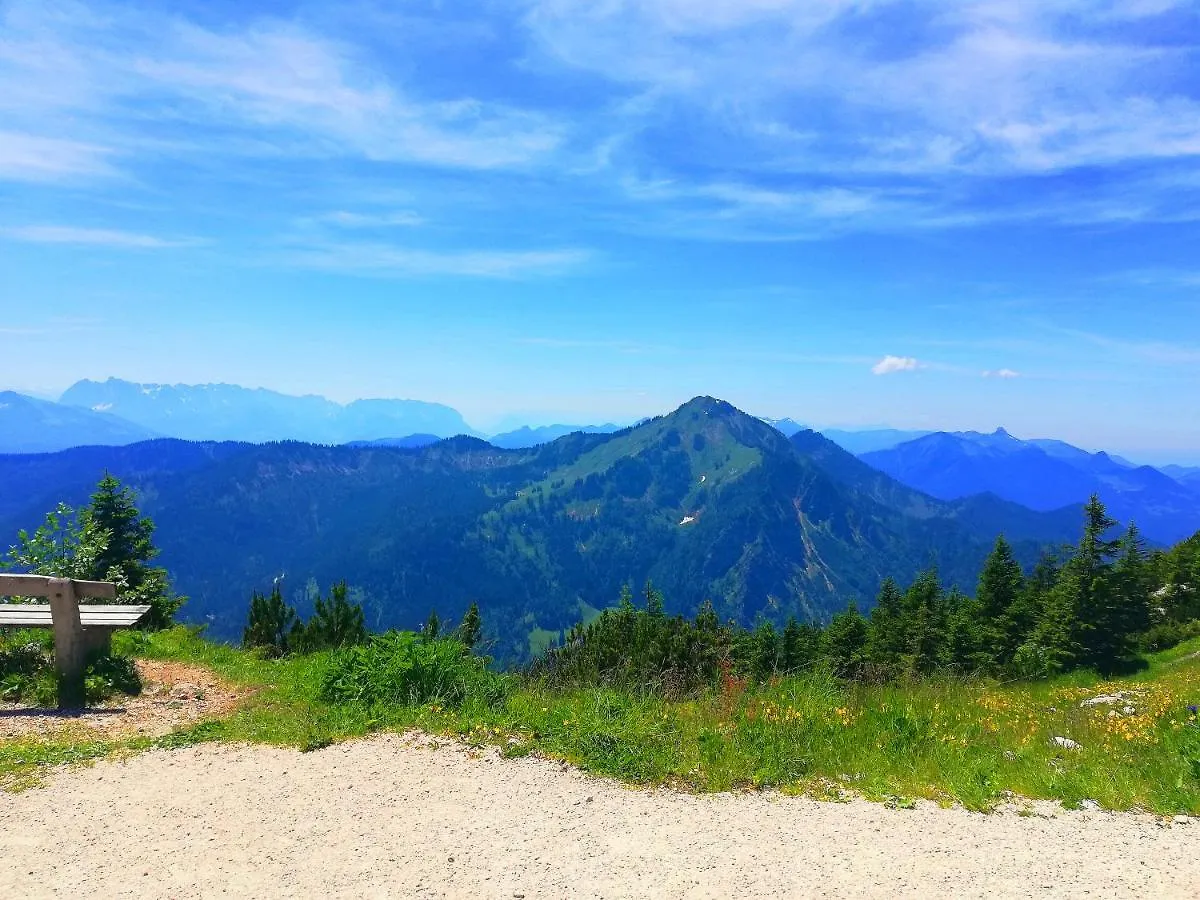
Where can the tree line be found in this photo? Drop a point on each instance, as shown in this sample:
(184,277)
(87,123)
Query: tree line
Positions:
(1098,604)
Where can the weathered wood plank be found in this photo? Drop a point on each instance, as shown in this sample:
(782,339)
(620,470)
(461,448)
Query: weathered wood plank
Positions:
(39,615)
(39,586)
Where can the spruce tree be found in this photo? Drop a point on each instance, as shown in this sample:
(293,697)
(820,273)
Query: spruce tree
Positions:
(128,551)
(433,626)
(925,624)
(1099,637)
(1000,585)
(271,623)
(844,643)
(888,639)
(471,629)
(1128,613)
(336,622)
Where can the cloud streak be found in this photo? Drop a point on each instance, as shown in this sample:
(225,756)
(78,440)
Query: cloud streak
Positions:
(94,237)
(388,260)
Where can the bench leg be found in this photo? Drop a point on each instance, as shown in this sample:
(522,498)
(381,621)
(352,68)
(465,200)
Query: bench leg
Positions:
(69,652)
(97,639)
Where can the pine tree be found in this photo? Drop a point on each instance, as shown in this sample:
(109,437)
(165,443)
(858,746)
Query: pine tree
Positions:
(1128,613)
(766,651)
(888,640)
(271,623)
(336,622)
(966,650)
(471,629)
(844,643)
(1101,643)
(128,551)
(924,617)
(433,626)
(1000,585)
(706,618)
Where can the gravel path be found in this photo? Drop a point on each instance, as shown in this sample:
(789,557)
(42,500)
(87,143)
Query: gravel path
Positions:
(395,817)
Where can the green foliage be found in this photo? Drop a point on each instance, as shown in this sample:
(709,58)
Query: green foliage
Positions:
(108,540)
(128,551)
(433,626)
(400,667)
(274,628)
(336,623)
(27,672)
(844,643)
(270,624)
(471,629)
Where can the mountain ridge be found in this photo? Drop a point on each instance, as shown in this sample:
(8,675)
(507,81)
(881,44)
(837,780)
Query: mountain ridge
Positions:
(707,501)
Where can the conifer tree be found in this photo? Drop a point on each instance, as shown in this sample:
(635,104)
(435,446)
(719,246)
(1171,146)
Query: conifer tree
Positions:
(924,617)
(128,551)
(336,622)
(271,623)
(471,629)
(766,651)
(706,618)
(844,642)
(887,642)
(1000,585)
(433,626)
(966,649)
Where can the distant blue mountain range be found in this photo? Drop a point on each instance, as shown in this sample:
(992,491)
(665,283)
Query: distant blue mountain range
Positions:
(230,412)
(535,436)
(859,442)
(1043,475)
(29,425)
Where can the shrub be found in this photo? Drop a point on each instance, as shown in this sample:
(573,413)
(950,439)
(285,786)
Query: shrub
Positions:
(1166,635)
(27,671)
(400,667)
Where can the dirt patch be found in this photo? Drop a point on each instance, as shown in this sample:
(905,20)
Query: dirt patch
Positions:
(173,695)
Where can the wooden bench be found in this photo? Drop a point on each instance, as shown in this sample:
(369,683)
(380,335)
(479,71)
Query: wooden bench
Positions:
(79,629)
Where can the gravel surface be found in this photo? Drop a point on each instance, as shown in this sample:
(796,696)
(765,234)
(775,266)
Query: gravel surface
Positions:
(408,816)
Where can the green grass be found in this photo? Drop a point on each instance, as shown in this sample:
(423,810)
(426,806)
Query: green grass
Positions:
(952,742)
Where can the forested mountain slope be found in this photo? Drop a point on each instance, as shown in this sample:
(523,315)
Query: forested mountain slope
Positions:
(708,502)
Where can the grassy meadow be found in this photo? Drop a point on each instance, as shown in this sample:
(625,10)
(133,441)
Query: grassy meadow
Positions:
(974,742)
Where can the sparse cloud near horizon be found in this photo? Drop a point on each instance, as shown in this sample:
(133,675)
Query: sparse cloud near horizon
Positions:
(1001,373)
(890,365)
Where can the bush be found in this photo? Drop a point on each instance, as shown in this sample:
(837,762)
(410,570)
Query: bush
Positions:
(107,676)
(401,667)
(27,672)
(1166,635)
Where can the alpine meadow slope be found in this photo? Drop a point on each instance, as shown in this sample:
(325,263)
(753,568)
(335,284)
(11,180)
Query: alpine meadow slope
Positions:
(707,502)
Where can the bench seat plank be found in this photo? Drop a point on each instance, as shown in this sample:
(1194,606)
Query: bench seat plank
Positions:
(37,615)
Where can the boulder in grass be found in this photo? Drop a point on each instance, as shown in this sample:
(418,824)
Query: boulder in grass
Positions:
(1066,743)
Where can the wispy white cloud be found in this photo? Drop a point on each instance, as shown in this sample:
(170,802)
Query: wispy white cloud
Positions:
(400,218)
(29,157)
(97,237)
(387,260)
(890,365)
(1001,373)
(265,85)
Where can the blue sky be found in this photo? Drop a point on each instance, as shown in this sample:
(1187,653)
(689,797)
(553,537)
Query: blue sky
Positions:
(952,215)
